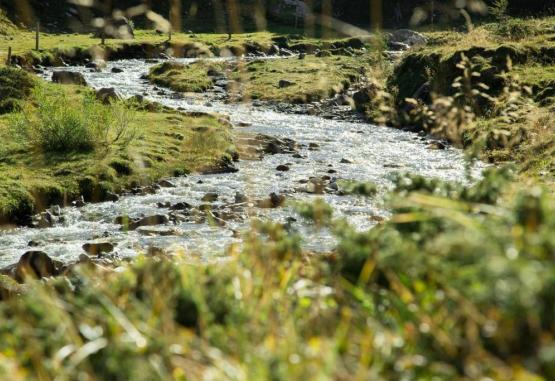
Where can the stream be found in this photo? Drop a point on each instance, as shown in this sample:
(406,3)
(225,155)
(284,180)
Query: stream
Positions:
(346,150)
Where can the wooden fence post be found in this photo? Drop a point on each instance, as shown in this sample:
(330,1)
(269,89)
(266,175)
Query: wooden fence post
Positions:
(37,37)
(9,61)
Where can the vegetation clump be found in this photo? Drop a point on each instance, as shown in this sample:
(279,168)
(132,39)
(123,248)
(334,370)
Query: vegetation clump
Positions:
(458,284)
(52,126)
(15,86)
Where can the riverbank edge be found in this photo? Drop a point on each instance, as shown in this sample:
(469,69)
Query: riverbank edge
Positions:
(27,202)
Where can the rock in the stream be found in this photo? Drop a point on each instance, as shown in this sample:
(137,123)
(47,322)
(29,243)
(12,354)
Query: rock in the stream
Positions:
(68,78)
(96,65)
(346,161)
(408,37)
(240,198)
(397,46)
(225,165)
(437,146)
(274,201)
(210,197)
(181,206)
(313,147)
(128,223)
(283,168)
(107,95)
(166,184)
(116,70)
(43,220)
(98,248)
(35,264)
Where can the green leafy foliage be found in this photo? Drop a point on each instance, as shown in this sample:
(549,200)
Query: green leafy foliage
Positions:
(458,284)
(55,127)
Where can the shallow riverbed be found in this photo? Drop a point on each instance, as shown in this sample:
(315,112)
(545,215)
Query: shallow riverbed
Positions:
(355,151)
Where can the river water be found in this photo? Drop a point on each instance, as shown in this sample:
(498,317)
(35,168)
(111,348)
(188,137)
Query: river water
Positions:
(374,153)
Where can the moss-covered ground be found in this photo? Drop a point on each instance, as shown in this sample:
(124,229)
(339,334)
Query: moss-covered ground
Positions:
(305,80)
(514,60)
(167,143)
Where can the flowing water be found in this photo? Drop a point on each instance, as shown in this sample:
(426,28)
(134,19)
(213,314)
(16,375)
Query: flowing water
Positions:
(374,153)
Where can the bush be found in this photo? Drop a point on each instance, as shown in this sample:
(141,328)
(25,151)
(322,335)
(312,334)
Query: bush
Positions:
(58,124)
(514,29)
(15,86)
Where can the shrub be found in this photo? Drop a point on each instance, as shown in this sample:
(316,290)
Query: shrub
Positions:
(15,85)
(514,29)
(58,124)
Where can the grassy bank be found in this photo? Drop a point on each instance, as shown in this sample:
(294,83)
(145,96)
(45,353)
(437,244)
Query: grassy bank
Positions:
(55,166)
(458,285)
(500,75)
(289,80)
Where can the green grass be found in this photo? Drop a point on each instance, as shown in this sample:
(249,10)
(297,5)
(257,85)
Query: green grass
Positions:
(458,285)
(312,78)
(167,143)
(185,78)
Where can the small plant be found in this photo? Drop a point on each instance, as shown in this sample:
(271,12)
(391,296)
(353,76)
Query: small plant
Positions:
(57,125)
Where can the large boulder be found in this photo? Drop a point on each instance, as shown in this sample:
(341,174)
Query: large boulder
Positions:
(118,27)
(407,37)
(107,95)
(68,78)
(35,264)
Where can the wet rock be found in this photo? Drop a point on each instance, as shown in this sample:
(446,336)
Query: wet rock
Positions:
(344,100)
(210,197)
(181,206)
(315,186)
(107,95)
(225,165)
(166,184)
(35,264)
(408,37)
(150,221)
(33,244)
(285,83)
(398,46)
(346,161)
(240,198)
(283,168)
(97,65)
(332,171)
(111,196)
(43,220)
(128,223)
(68,78)
(313,146)
(274,201)
(437,146)
(298,156)
(363,97)
(116,70)
(99,248)
(79,203)
(159,231)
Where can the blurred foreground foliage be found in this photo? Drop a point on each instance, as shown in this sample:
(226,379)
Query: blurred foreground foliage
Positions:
(458,285)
